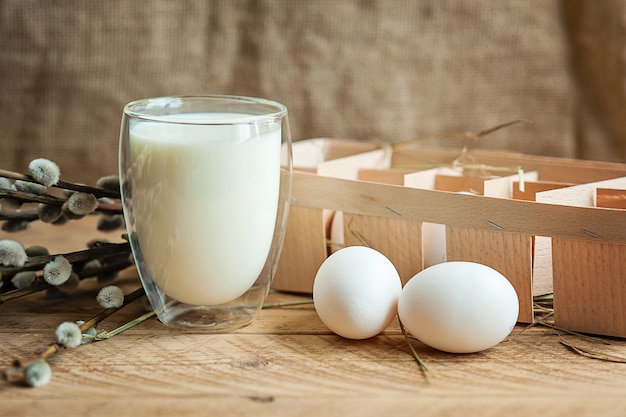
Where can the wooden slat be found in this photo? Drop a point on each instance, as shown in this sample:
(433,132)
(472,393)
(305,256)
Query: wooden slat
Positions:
(589,286)
(611,198)
(457,184)
(453,209)
(304,250)
(399,240)
(551,168)
(531,188)
(385,176)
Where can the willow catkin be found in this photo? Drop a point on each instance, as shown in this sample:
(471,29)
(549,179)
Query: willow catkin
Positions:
(82,204)
(44,171)
(23,279)
(57,271)
(30,187)
(110,182)
(49,213)
(38,373)
(111,297)
(69,334)
(12,253)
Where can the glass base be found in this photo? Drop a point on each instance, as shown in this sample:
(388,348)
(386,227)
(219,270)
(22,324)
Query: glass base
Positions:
(207,318)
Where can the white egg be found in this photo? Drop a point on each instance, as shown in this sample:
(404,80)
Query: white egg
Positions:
(356,292)
(459,307)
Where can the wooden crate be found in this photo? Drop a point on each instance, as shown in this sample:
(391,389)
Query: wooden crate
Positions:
(540,243)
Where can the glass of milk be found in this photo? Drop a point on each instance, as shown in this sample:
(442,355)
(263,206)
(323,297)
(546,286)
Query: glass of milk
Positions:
(206,183)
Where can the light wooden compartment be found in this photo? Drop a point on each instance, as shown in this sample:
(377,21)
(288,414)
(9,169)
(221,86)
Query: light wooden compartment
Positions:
(562,230)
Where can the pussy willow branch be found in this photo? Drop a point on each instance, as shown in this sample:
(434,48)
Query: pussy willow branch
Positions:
(15,294)
(117,265)
(31,197)
(54,347)
(37,262)
(98,192)
(98,318)
(26,215)
(26,197)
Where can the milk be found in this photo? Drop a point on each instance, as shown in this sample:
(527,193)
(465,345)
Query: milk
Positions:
(204,201)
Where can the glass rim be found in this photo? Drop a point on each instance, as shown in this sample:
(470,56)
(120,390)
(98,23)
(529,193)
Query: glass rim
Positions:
(137,109)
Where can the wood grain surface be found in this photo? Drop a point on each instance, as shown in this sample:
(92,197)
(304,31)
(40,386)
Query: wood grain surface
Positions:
(287,363)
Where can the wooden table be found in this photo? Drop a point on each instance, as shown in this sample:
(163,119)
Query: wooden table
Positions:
(287,363)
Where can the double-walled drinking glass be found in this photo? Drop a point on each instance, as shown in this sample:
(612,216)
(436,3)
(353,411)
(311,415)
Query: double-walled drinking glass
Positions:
(206,183)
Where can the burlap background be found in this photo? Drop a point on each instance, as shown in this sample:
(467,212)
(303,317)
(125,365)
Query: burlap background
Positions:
(392,70)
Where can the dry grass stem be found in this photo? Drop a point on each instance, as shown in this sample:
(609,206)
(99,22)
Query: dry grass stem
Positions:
(286,304)
(475,136)
(107,335)
(594,354)
(422,365)
(581,335)
(356,235)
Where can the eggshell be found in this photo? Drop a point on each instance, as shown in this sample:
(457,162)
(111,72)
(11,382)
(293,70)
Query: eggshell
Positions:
(459,307)
(355,292)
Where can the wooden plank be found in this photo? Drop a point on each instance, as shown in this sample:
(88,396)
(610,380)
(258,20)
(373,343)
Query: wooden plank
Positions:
(457,184)
(531,188)
(516,216)
(385,176)
(586,275)
(434,404)
(589,286)
(309,153)
(287,363)
(399,240)
(611,198)
(552,169)
(304,250)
